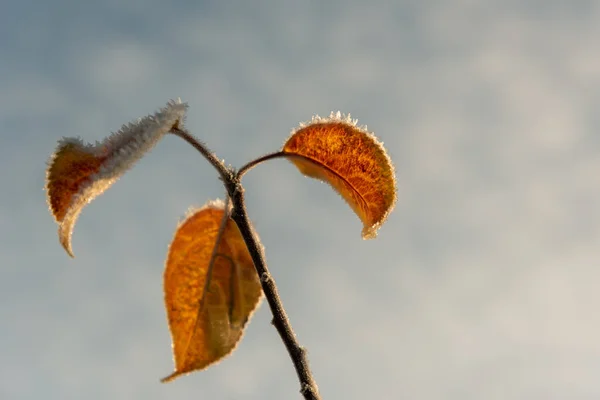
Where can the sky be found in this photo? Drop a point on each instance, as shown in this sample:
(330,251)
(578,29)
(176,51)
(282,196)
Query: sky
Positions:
(482,284)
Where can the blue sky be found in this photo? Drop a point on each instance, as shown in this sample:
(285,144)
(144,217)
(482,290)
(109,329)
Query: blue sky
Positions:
(483,282)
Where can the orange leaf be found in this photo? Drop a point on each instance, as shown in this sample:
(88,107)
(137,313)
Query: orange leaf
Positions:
(78,172)
(207,322)
(350,159)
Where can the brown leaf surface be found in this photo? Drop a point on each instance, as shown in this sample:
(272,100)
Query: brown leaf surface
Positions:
(78,172)
(203,335)
(350,159)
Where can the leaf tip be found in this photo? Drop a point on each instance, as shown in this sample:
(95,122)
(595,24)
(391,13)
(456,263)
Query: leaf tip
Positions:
(369,232)
(65,232)
(65,241)
(171,377)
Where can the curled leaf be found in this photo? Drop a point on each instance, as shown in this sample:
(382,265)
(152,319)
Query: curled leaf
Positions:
(350,159)
(207,320)
(78,172)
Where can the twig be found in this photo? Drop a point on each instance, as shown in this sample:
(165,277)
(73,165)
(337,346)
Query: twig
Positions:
(308,386)
(233,185)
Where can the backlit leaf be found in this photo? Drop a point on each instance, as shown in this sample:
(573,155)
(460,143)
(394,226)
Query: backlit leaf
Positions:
(78,172)
(207,325)
(350,159)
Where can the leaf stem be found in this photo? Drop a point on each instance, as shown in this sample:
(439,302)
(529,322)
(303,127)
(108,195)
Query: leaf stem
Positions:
(226,173)
(279,154)
(245,168)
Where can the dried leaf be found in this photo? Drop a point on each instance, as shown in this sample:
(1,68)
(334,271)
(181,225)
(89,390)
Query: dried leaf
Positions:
(350,159)
(78,172)
(207,325)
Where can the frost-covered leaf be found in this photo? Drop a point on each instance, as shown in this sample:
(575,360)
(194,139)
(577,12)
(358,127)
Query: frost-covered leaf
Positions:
(207,321)
(78,172)
(350,159)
